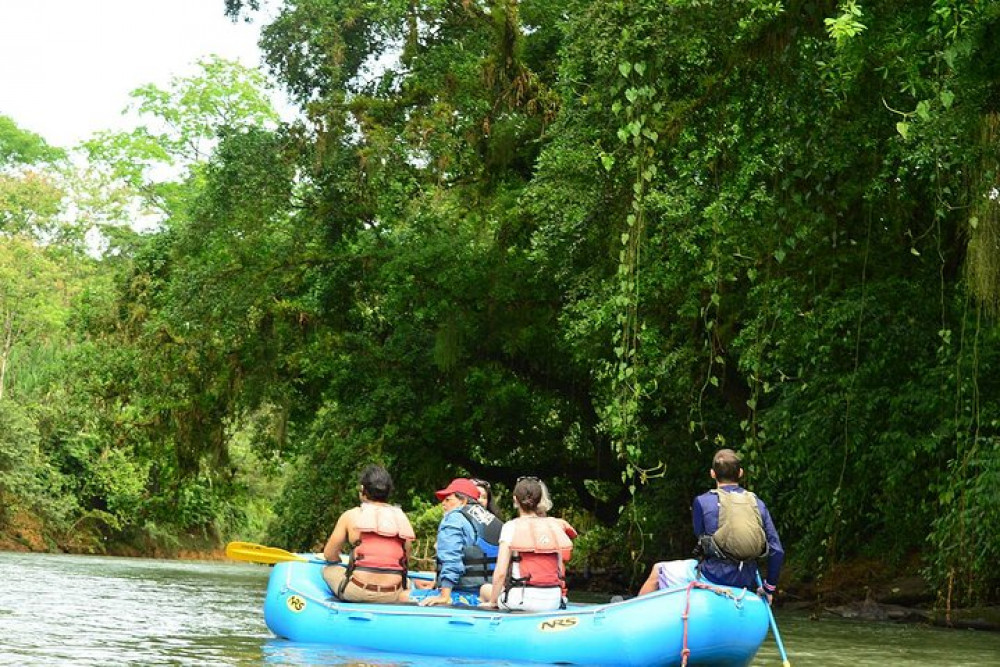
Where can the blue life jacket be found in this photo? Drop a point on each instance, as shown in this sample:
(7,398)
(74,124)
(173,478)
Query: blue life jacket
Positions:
(480,558)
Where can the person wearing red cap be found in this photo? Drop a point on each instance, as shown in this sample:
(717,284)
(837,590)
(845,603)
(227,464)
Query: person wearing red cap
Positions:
(467,543)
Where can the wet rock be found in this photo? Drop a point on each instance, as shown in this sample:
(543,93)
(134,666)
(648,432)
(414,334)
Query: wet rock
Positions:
(973,618)
(869,610)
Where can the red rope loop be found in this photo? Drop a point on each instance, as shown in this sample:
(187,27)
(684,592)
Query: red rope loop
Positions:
(725,592)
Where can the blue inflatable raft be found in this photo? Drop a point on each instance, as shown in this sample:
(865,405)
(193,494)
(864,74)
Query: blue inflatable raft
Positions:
(725,626)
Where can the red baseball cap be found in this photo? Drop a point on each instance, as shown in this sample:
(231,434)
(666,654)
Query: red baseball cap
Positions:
(459,485)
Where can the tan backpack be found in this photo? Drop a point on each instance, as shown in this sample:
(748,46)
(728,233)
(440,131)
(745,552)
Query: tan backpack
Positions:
(741,533)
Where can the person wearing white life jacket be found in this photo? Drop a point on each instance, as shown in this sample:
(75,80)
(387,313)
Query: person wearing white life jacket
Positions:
(530,572)
(379,537)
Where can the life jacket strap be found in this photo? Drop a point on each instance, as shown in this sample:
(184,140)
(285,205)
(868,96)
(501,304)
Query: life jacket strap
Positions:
(355,562)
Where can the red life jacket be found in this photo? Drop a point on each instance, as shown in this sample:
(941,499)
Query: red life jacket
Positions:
(381,546)
(540,546)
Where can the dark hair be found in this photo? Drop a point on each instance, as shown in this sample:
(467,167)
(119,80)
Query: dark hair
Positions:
(491,505)
(726,464)
(528,493)
(376,483)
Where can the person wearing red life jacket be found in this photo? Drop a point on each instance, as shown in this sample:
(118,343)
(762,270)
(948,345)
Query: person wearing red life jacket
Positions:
(530,572)
(378,535)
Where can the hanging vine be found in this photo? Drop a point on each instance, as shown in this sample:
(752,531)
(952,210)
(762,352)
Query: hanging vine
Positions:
(983,265)
(636,107)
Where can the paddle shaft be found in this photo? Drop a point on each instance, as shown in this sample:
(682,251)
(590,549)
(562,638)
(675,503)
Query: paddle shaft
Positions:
(258,553)
(774,627)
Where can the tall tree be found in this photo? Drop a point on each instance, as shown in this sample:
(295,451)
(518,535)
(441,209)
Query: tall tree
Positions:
(22,147)
(30,192)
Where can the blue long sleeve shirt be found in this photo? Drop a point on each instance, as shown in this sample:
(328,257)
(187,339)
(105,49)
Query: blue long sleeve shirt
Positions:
(705,517)
(454,534)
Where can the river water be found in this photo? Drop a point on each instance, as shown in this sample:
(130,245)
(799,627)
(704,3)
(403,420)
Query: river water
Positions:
(89,610)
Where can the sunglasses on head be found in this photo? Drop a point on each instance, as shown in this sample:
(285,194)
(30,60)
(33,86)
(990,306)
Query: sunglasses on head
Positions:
(529,478)
(482,482)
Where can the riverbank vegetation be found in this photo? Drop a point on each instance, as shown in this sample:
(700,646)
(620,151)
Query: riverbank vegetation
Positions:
(588,241)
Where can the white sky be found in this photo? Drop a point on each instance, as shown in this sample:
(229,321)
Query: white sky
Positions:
(67,66)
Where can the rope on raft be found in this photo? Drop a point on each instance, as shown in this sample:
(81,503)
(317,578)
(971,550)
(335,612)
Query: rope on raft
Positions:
(685,651)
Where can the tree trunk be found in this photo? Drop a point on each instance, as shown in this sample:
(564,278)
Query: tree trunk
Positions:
(8,343)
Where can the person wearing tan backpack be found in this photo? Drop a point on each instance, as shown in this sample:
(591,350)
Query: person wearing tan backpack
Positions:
(734,529)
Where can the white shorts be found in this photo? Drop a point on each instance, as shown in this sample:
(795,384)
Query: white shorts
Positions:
(676,573)
(526,598)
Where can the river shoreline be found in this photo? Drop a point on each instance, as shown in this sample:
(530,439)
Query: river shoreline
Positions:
(904,600)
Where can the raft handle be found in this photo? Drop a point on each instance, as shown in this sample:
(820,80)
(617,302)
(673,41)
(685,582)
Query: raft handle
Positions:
(361,617)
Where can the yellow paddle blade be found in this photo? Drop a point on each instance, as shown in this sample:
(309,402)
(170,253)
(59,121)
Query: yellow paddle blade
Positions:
(258,553)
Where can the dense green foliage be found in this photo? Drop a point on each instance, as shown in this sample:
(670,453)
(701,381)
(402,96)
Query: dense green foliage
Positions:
(591,241)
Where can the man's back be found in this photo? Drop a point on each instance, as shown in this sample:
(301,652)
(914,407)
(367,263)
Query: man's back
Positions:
(742,574)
